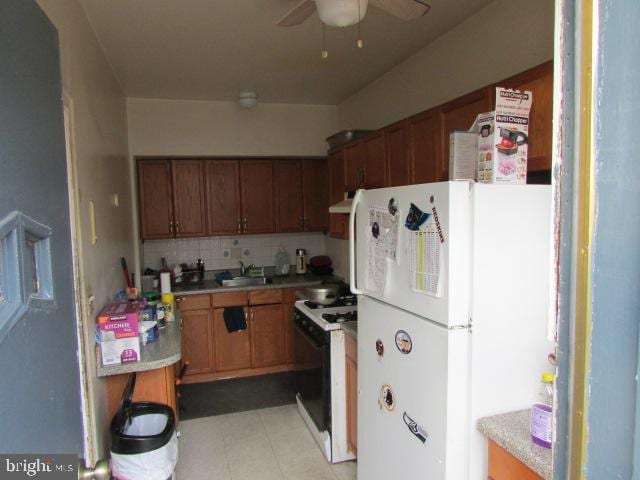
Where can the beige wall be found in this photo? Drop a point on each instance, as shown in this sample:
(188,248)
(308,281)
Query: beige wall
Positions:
(505,38)
(98,110)
(186,127)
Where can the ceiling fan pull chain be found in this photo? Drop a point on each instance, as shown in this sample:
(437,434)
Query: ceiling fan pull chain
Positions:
(359,42)
(325,53)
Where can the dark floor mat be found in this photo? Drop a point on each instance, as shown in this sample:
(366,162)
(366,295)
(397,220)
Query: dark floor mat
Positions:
(237,395)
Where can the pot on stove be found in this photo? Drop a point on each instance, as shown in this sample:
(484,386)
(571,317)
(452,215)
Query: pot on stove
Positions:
(323,294)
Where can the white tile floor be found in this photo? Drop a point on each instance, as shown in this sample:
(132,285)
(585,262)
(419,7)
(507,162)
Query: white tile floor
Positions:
(268,444)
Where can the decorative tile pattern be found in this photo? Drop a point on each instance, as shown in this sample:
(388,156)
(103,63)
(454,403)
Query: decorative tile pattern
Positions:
(218,252)
(267,444)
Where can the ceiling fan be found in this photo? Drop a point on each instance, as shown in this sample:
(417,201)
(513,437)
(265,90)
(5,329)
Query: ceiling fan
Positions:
(343,13)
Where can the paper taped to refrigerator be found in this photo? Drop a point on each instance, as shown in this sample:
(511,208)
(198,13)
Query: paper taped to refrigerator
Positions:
(425,257)
(382,244)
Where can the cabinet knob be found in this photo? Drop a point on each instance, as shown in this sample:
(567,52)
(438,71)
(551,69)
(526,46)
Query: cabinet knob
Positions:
(239,225)
(171,228)
(244,221)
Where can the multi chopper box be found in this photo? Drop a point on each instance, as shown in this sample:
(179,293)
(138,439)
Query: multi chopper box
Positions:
(503,137)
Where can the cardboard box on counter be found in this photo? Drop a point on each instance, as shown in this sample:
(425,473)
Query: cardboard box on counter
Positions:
(118,329)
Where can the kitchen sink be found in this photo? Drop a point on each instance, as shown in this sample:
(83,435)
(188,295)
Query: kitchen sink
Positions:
(246,281)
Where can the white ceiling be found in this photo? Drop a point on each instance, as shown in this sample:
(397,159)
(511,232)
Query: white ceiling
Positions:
(212,49)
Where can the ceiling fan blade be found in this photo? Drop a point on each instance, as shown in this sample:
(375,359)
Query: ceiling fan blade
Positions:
(403,9)
(298,14)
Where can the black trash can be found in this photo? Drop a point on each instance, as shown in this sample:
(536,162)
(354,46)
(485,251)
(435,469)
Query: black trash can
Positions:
(144,445)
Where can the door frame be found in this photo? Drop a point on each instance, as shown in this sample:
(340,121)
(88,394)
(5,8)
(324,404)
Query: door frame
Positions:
(82,304)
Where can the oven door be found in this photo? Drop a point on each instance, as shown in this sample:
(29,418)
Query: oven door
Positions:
(313,355)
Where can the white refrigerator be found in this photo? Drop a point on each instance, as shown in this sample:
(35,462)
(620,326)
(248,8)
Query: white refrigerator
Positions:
(453,281)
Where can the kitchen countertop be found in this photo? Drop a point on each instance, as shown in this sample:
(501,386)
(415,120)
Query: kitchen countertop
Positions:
(511,432)
(159,354)
(351,329)
(290,281)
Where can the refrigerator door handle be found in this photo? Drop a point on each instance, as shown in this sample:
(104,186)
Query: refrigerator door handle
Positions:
(352,243)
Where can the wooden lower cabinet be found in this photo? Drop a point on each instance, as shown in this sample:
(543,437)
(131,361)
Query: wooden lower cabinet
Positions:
(197,341)
(351,374)
(268,345)
(267,331)
(232,350)
(152,386)
(504,466)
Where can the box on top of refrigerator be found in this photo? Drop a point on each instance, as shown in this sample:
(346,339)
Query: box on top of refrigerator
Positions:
(503,137)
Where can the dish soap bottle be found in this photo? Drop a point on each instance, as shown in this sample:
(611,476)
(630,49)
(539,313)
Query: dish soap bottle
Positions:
(283,262)
(542,413)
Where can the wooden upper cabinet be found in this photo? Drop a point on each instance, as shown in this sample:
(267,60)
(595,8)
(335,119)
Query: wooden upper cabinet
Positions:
(188,198)
(256,179)
(375,161)
(288,195)
(232,350)
(397,154)
(315,189)
(268,337)
(155,199)
(539,81)
(354,154)
(337,187)
(459,114)
(223,197)
(197,344)
(424,147)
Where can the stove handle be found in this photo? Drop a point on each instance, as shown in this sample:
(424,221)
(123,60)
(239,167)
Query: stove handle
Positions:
(352,243)
(314,343)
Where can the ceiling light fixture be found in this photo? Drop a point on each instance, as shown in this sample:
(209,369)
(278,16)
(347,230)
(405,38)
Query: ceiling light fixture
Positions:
(247,99)
(341,13)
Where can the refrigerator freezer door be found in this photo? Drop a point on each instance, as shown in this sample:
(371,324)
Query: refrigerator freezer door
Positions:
(440,245)
(412,399)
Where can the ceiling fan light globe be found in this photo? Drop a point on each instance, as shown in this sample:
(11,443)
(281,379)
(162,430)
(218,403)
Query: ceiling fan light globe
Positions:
(341,13)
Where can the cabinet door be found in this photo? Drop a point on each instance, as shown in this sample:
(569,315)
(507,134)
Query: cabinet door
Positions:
(337,187)
(539,81)
(290,332)
(197,344)
(424,147)
(223,197)
(256,185)
(188,198)
(397,154)
(504,466)
(267,335)
(460,114)
(375,161)
(354,157)
(155,199)
(288,195)
(315,188)
(233,350)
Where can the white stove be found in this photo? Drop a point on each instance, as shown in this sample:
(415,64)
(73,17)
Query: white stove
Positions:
(330,317)
(322,394)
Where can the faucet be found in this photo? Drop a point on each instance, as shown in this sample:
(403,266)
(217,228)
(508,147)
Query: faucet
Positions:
(243,269)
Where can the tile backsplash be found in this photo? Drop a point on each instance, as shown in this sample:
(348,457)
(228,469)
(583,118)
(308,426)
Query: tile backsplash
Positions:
(224,252)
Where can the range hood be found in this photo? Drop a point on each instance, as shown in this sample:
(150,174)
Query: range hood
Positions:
(345,205)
